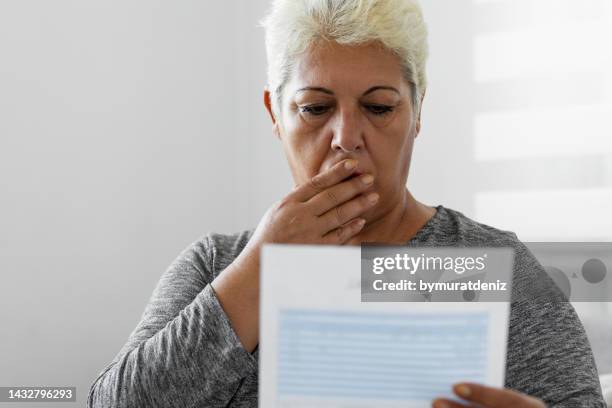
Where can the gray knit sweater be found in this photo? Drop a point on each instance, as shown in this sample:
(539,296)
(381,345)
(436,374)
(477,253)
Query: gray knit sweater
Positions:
(184,352)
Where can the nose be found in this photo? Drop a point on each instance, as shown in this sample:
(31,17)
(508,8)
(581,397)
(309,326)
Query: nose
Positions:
(348,133)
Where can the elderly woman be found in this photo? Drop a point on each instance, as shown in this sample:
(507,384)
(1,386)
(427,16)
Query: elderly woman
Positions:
(346,86)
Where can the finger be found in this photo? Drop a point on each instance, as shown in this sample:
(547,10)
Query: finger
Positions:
(345,232)
(445,403)
(324,180)
(339,194)
(341,214)
(495,397)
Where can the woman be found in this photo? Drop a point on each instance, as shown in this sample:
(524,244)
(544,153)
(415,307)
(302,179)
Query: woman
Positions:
(346,83)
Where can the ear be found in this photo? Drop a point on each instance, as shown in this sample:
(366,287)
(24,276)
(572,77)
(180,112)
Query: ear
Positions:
(267,96)
(418,122)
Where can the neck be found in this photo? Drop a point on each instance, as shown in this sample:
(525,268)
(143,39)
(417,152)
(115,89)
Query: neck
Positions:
(397,225)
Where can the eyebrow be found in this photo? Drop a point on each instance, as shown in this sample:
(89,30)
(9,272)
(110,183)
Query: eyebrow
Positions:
(330,92)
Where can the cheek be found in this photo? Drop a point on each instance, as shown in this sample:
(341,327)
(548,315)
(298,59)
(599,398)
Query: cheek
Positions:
(306,153)
(403,144)
(392,158)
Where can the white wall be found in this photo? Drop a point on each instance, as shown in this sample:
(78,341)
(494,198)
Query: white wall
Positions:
(127,130)
(130,128)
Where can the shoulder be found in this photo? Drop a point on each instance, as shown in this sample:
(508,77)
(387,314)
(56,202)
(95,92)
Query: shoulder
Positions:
(211,253)
(454,228)
(451,227)
(224,248)
(470,233)
(548,352)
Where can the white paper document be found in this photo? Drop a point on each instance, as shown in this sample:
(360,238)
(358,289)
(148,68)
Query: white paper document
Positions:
(321,346)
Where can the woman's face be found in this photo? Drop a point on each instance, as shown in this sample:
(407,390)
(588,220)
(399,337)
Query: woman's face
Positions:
(349,102)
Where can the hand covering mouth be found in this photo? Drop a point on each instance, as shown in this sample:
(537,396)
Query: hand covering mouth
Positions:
(356,173)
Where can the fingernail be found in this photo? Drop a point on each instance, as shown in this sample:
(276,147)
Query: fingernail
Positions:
(373,198)
(367,179)
(463,390)
(360,223)
(350,164)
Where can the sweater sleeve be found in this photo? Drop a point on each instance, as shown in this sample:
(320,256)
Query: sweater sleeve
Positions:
(549,355)
(183,352)
(553,359)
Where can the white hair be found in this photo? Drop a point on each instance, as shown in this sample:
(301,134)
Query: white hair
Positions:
(293,25)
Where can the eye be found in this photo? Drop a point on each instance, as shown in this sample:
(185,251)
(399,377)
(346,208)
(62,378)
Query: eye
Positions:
(379,110)
(314,110)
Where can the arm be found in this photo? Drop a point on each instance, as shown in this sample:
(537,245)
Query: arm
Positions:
(551,366)
(183,352)
(549,359)
(325,210)
(552,356)
(549,355)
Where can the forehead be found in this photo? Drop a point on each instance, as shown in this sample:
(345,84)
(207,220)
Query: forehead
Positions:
(347,69)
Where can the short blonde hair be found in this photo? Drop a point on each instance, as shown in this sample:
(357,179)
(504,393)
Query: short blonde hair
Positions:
(293,25)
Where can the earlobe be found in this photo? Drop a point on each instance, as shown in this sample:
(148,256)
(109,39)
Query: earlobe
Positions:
(276,131)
